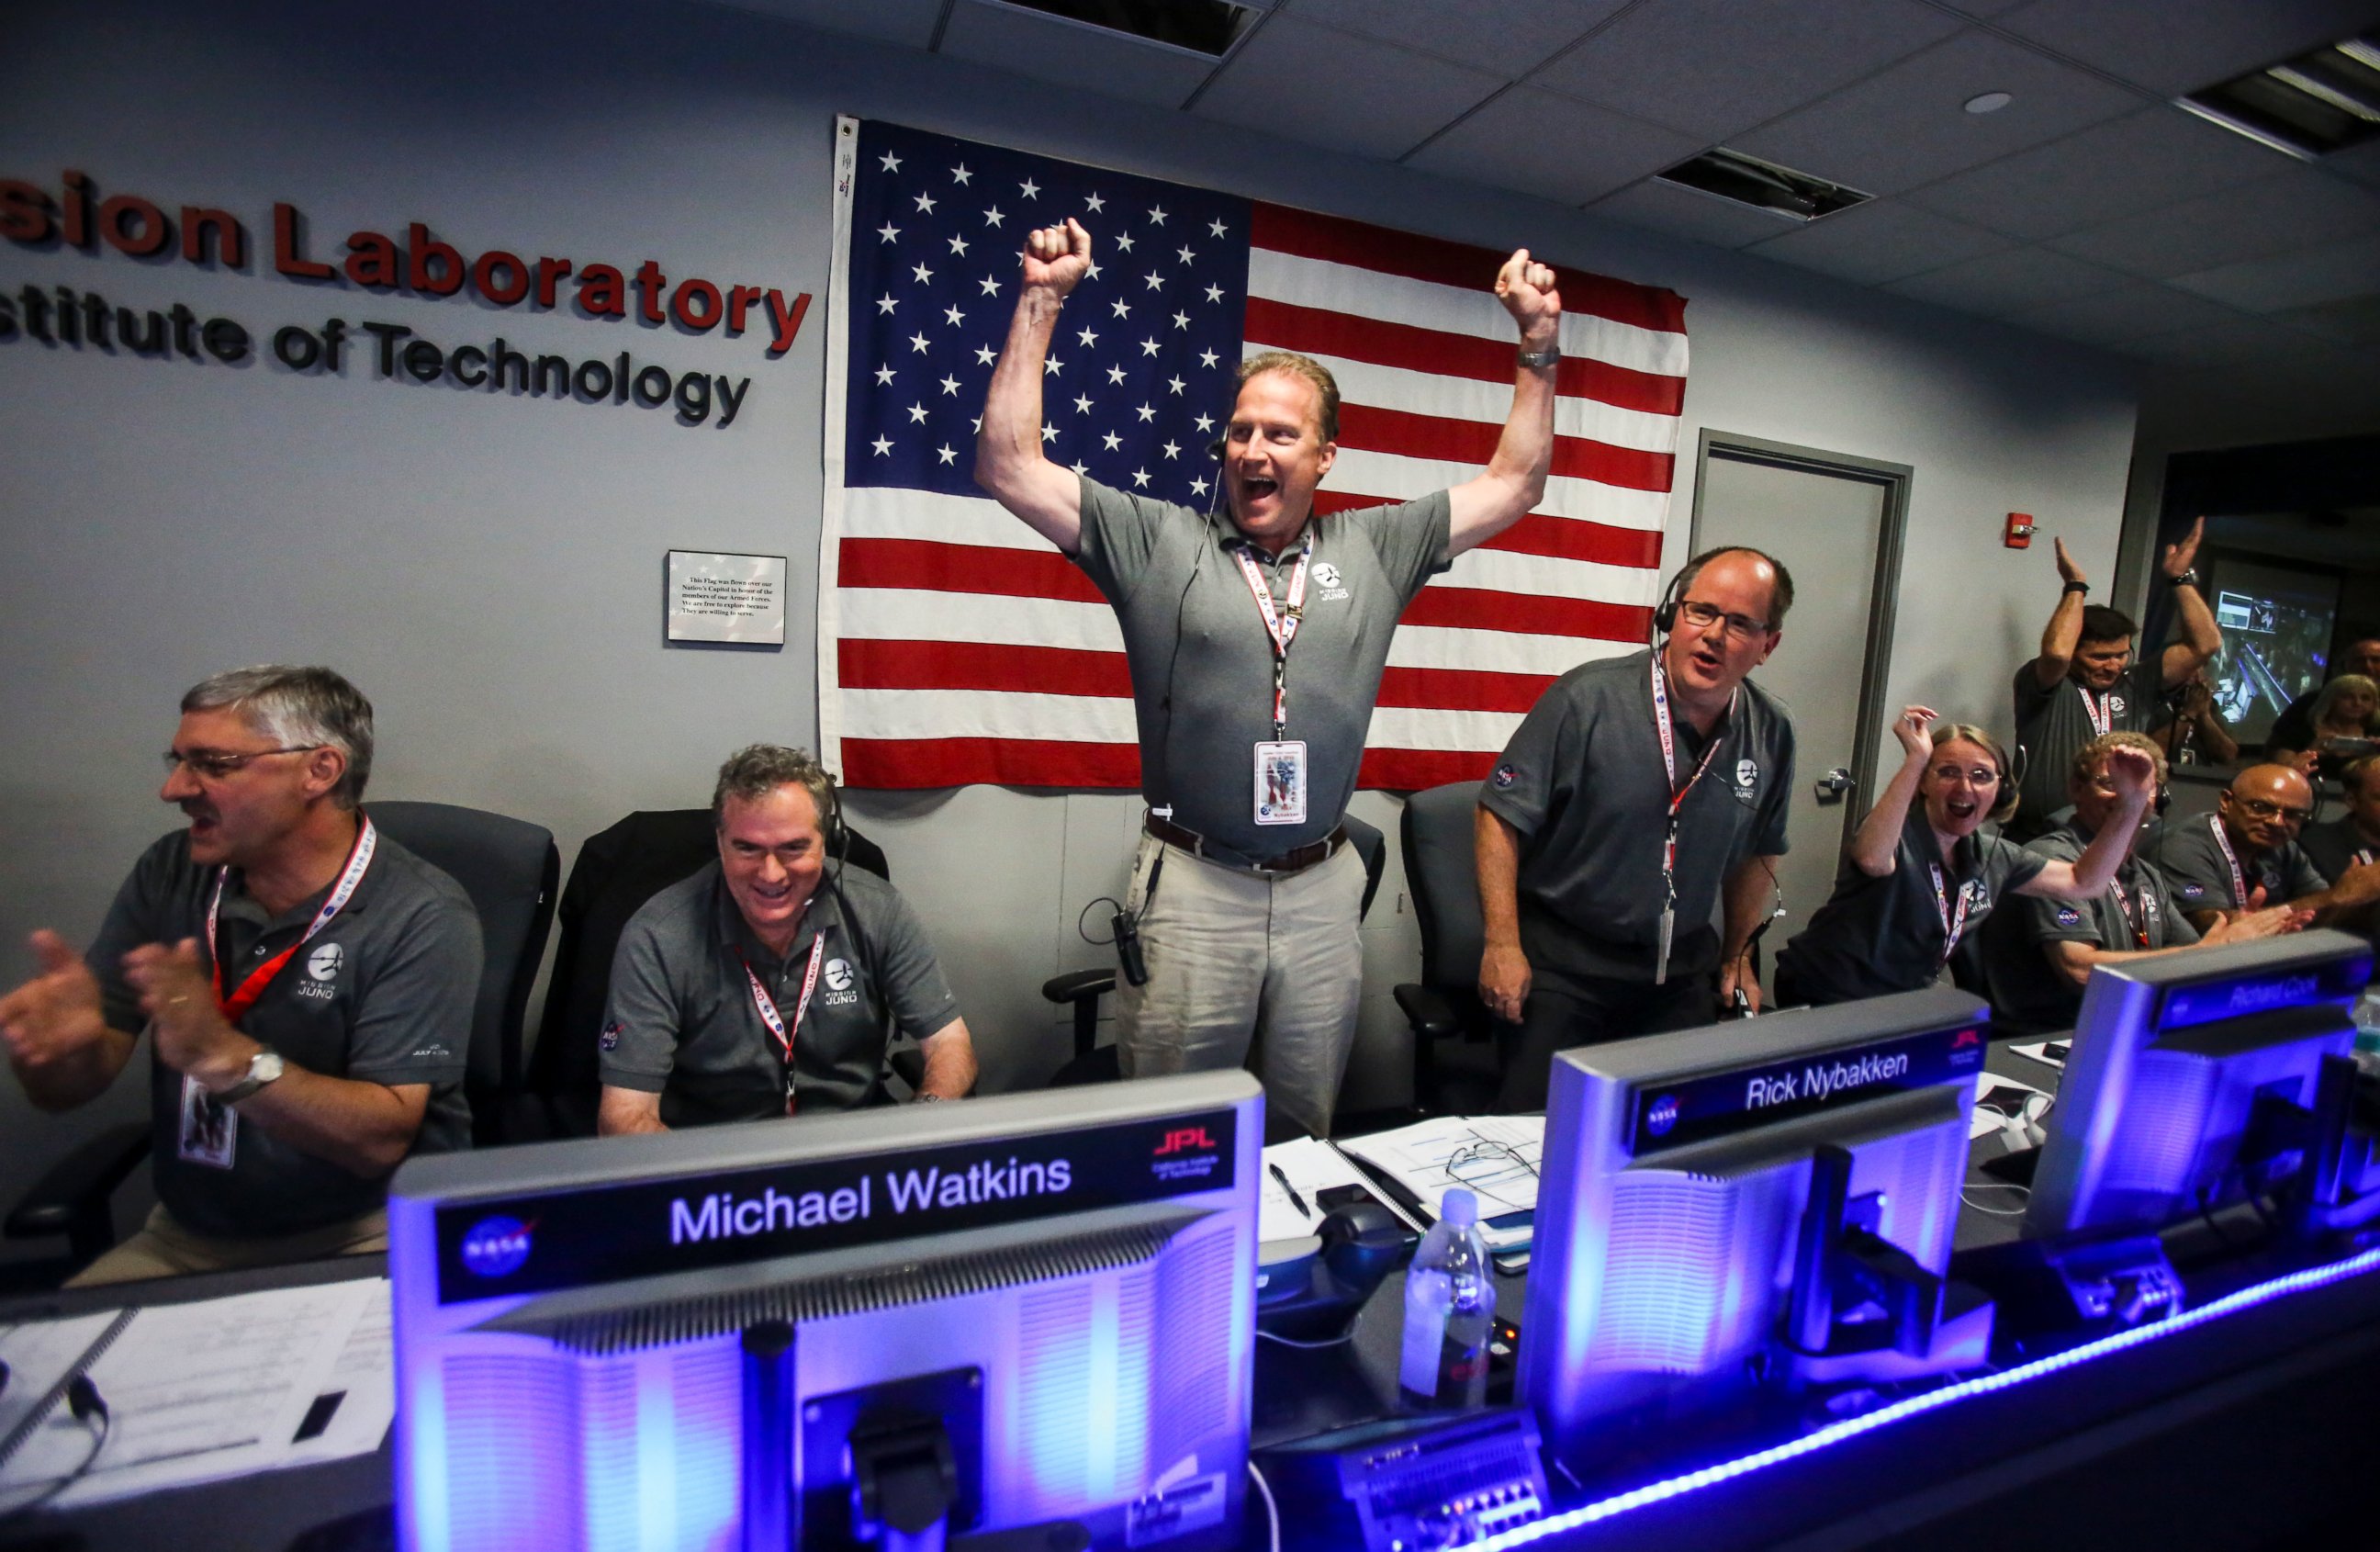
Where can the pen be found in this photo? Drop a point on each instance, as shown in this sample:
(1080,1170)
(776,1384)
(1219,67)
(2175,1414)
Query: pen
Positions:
(1294,1200)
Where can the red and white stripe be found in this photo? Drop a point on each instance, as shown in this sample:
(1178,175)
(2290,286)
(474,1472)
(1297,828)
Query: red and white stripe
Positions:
(957,646)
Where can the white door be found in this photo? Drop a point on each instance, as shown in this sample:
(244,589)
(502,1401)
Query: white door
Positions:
(1826,522)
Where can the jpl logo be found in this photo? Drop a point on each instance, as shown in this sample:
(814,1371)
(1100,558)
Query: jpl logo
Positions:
(496,1246)
(1661,1115)
(1182,1139)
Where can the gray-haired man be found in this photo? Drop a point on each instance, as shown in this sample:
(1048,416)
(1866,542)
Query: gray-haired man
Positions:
(760,987)
(308,984)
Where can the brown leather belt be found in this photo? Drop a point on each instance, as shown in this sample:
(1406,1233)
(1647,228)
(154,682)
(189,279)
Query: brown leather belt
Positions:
(1197,845)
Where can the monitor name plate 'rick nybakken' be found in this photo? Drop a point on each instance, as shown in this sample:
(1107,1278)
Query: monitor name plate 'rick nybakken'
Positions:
(638,1228)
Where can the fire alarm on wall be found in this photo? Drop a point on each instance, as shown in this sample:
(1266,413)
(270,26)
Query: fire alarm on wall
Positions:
(2019,530)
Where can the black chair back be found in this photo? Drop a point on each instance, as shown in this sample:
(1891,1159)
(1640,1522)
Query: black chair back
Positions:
(509,868)
(1441,869)
(617,872)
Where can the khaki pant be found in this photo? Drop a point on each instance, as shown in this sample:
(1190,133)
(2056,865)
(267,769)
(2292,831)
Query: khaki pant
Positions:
(1233,953)
(163,1248)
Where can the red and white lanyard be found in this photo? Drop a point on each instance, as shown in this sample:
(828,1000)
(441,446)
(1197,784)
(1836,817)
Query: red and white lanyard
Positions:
(1677,800)
(776,1021)
(1954,923)
(2239,880)
(1280,624)
(235,1007)
(2101,711)
(2140,924)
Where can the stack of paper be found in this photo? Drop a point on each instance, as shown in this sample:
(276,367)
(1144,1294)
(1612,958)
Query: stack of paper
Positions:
(1495,1158)
(1309,1168)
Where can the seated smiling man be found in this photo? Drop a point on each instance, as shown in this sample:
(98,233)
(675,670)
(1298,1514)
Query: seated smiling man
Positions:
(760,987)
(307,982)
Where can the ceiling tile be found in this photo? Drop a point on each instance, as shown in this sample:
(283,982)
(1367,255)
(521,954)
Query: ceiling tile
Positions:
(1685,212)
(1905,126)
(910,22)
(2243,341)
(2136,308)
(2015,281)
(2296,207)
(1071,53)
(1710,67)
(2310,277)
(2357,161)
(1983,8)
(2355,321)
(1328,87)
(1506,37)
(2172,49)
(1880,241)
(2151,158)
(1538,142)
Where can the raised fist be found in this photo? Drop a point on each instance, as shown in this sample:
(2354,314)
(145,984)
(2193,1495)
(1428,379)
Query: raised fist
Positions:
(1056,258)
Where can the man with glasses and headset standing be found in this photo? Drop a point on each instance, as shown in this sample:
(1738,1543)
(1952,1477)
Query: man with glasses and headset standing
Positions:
(307,984)
(2245,855)
(1639,794)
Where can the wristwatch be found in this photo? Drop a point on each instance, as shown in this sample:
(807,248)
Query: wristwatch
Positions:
(1544,357)
(2187,579)
(262,1068)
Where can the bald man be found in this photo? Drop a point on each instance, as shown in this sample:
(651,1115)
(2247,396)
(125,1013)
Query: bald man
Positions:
(2245,855)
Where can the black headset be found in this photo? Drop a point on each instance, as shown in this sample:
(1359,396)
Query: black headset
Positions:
(1665,615)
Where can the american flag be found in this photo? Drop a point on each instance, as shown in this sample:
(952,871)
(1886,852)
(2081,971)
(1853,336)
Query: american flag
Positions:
(956,645)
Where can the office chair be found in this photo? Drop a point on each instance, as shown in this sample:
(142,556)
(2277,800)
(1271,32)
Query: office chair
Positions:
(1093,1063)
(617,872)
(1442,871)
(509,868)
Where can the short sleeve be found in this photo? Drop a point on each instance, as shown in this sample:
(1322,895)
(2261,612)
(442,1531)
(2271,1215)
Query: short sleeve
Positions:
(1779,802)
(1411,539)
(1120,537)
(641,1016)
(2047,920)
(908,975)
(1532,778)
(414,1021)
(2014,867)
(2032,694)
(2180,933)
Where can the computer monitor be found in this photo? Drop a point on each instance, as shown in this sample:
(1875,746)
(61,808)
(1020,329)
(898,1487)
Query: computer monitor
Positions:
(2189,1080)
(1748,1202)
(1022,1311)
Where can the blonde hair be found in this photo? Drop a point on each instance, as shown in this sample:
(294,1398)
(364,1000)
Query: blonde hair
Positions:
(2085,764)
(1967,733)
(2319,711)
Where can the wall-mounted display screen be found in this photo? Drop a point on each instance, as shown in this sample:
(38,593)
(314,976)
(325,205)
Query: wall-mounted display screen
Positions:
(2277,623)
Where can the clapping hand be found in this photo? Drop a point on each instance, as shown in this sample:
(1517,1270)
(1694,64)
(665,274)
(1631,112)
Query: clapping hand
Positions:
(2178,557)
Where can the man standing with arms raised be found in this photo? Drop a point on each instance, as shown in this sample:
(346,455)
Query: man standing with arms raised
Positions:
(1247,900)
(1640,794)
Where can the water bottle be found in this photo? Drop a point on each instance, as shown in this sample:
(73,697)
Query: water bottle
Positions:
(1449,1304)
(2367,1030)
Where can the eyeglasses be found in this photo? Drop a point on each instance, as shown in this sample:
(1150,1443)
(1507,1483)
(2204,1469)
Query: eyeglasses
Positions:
(1703,616)
(214,765)
(1977,776)
(2257,809)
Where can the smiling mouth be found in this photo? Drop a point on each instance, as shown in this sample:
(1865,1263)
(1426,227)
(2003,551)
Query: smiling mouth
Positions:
(1257,487)
(1958,810)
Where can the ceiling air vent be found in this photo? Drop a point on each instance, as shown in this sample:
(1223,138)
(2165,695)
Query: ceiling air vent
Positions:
(2308,106)
(1207,26)
(1765,185)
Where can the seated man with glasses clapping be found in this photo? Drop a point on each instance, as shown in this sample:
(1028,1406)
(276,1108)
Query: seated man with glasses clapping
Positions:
(307,984)
(2245,855)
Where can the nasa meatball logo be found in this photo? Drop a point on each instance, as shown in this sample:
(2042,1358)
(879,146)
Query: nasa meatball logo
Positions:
(838,974)
(323,962)
(2191,892)
(612,1033)
(2069,917)
(1505,776)
(1747,775)
(1661,1115)
(496,1247)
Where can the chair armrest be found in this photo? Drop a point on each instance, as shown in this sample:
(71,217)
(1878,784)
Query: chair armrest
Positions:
(1432,1014)
(1077,984)
(75,1185)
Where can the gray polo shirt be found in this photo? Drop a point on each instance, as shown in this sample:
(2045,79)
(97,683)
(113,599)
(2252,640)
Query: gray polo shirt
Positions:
(384,993)
(2201,881)
(1877,936)
(2052,724)
(2335,846)
(680,1021)
(1194,635)
(1583,782)
(2026,989)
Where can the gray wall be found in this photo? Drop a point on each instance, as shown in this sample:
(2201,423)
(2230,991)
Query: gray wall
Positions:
(489,568)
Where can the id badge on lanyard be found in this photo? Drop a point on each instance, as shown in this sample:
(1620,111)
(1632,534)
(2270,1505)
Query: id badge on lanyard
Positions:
(1280,776)
(784,1033)
(2232,861)
(209,1129)
(2101,712)
(1661,725)
(1954,923)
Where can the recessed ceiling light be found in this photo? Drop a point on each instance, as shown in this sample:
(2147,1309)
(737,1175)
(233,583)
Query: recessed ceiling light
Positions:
(1988,102)
(2318,103)
(1207,26)
(1765,185)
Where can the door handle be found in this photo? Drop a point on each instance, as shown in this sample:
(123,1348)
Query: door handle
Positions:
(1833,785)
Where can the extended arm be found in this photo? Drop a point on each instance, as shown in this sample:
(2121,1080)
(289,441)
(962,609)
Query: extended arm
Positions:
(627,1111)
(950,1061)
(1515,478)
(2135,775)
(1503,968)
(2076,960)
(1008,460)
(2065,629)
(2200,637)
(1744,904)
(1876,845)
